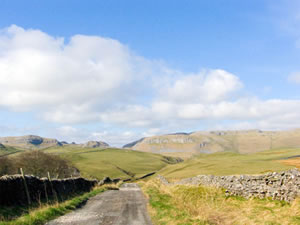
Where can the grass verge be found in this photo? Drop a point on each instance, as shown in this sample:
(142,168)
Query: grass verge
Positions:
(46,213)
(206,205)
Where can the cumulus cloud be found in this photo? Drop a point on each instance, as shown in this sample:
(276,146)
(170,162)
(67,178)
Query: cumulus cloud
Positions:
(79,76)
(206,87)
(242,109)
(96,79)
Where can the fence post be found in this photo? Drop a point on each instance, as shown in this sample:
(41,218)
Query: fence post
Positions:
(45,188)
(26,188)
(53,191)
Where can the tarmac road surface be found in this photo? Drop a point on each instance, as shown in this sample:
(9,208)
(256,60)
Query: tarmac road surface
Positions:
(126,206)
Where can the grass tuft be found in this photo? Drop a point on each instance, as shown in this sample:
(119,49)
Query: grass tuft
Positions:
(207,205)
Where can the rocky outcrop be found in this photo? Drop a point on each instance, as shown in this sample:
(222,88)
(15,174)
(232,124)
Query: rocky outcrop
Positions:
(37,142)
(29,142)
(175,140)
(13,189)
(132,144)
(241,141)
(94,144)
(277,185)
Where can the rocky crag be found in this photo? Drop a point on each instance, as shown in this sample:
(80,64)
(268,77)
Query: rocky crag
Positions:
(244,141)
(37,142)
(94,144)
(29,142)
(284,186)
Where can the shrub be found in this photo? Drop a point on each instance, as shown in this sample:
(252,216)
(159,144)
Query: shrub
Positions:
(6,166)
(38,163)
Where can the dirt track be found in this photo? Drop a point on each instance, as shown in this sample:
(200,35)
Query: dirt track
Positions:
(124,207)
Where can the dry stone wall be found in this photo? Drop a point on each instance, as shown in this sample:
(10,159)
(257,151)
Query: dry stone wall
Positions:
(277,185)
(13,189)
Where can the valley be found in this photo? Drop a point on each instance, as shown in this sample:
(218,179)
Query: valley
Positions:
(96,160)
(112,162)
(217,153)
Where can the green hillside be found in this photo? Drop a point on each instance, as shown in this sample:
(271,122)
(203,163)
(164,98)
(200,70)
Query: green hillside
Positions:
(226,163)
(7,150)
(115,163)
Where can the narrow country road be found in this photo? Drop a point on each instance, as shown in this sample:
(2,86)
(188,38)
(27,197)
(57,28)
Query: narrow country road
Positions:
(124,207)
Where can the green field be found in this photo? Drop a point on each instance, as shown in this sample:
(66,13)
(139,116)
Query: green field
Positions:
(124,163)
(7,150)
(228,163)
(115,163)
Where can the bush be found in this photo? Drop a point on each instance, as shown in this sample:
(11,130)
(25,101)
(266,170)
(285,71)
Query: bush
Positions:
(6,166)
(38,163)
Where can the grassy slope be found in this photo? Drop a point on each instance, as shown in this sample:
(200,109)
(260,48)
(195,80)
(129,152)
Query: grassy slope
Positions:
(227,163)
(99,163)
(7,150)
(203,205)
(47,212)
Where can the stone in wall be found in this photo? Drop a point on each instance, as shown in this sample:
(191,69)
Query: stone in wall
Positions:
(284,186)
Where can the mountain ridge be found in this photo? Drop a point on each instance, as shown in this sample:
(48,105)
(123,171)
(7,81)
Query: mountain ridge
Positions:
(240,141)
(37,142)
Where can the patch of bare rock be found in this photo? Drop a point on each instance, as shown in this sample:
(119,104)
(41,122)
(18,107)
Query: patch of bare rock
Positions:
(29,141)
(95,144)
(37,142)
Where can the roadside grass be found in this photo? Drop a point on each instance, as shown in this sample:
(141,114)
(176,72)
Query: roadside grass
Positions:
(190,205)
(111,162)
(47,212)
(229,163)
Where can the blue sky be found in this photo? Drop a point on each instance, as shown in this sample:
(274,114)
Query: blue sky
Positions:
(161,66)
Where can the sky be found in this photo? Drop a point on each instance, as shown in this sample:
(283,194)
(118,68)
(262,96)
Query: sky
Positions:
(117,71)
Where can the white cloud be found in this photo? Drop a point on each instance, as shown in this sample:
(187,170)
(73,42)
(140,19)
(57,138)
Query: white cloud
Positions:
(86,73)
(205,87)
(242,109)
(96,79)
(294,78)
(67,130)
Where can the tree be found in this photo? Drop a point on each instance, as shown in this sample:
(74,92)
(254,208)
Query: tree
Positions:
(38,163)
(6,166)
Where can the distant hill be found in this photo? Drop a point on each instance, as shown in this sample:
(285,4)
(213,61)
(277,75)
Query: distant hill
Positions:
(94,144)
(245,141)
(29,142)
(37,142)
